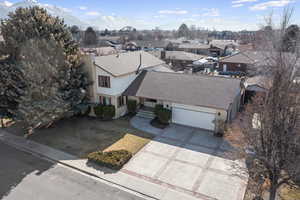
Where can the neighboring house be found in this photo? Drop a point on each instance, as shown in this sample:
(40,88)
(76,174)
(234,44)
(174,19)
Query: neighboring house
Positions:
(222,47)
(112,74)
(213,48)
(240,62)
(109,41)
(131,46)
(197,48)
(101,51)
(178,59)
(255,85)
(151,44)
(195,100)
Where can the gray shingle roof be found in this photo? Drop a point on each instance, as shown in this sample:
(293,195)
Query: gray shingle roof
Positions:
(206,91)
(126,63)
(178,55)
(194,46)
(247,57)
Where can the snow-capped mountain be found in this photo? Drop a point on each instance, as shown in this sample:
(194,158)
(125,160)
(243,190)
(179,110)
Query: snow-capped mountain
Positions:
(6,7)
(101,22)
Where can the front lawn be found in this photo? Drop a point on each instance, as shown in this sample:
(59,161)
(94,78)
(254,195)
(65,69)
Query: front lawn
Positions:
(82,135)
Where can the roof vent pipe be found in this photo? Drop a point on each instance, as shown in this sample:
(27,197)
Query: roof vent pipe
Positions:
(140,65)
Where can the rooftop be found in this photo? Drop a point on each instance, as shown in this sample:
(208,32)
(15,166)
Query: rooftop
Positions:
(197,90)
(126,63)
(246,57)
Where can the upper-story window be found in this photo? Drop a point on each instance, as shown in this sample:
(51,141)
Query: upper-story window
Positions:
(104,81)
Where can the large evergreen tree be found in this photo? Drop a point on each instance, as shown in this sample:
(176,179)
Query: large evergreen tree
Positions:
(29,57)
(75,33)
(90,37)
(183,31)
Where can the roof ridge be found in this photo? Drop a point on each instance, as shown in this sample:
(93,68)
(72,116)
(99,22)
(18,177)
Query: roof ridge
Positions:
(126,52)
(195,75)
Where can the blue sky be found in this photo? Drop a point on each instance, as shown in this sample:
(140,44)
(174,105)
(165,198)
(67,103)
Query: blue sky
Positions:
(169,14)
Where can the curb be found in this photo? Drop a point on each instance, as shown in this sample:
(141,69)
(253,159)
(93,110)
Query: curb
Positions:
(42,156)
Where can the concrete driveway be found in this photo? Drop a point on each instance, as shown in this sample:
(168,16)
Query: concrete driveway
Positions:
(191,161)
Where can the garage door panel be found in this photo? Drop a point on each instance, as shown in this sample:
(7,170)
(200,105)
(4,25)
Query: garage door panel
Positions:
(193,118)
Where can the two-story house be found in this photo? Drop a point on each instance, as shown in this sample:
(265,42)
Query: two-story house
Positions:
(194,100)
(111,75)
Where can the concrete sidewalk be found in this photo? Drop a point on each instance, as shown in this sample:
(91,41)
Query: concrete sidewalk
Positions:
(119,178)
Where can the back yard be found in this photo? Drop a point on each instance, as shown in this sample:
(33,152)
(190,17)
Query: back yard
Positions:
(82,135)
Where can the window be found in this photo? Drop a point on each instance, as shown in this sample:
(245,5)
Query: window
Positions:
(104,81)
(104,100)
(121,101)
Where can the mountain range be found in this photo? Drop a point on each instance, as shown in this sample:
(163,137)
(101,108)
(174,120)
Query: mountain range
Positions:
(6,7)
(101,22)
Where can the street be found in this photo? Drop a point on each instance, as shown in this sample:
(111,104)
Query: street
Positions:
(26,177)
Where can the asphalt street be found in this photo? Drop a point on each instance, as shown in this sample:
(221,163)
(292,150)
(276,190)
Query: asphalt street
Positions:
(26,177)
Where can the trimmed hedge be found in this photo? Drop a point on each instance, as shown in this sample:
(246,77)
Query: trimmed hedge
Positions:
(112,159)
(98,110)
(131,106)
(157,108)
(163,115)
(109,112)
(105,112)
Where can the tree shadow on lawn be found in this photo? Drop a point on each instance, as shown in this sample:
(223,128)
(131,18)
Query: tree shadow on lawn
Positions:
(17,165)
(79,136)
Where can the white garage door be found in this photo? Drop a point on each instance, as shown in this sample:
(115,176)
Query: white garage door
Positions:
(193,118)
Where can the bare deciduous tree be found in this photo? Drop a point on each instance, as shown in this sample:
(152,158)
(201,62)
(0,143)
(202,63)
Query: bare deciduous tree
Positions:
(270,123)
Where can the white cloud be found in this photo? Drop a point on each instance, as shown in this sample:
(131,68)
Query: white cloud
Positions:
(6,3)
(82,8)
(217,23)
(237,5)
(243,1)
(271,4)
(93,13)
(159,16)
(173,12)
(211,12)
(66,9)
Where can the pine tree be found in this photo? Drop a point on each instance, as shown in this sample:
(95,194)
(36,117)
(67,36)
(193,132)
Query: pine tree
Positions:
(41,46)
(12,87)
(90,36)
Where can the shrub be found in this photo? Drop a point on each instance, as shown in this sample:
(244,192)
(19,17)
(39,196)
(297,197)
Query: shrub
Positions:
(220,127)
(157,108)
(131,106)
(112,159)
(109,112)
(162,114)
(99,111)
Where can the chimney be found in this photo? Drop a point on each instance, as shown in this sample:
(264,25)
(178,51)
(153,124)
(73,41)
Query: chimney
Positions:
(163,55)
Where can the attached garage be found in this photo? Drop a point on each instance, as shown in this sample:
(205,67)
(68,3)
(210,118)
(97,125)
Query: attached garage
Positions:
(195,100)
(188,116)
